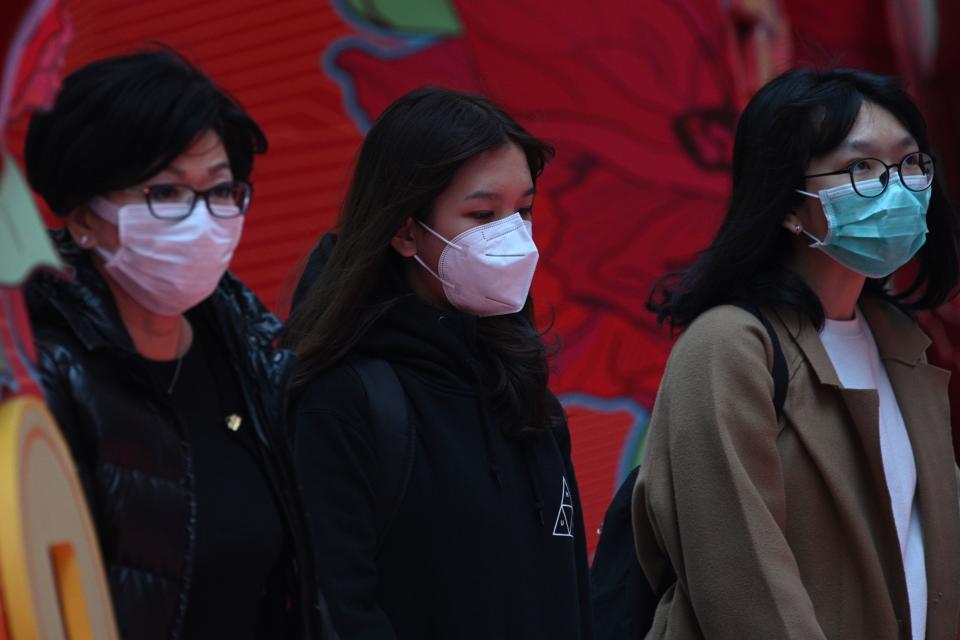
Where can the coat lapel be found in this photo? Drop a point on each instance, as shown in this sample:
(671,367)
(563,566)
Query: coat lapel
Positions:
(863,409)
(921,391)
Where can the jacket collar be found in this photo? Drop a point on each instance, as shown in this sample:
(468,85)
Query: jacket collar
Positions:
(897,336)
(84,302)
(82,299)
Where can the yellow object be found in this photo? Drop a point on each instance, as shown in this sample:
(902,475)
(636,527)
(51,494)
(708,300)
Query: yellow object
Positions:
(51,575)
(234,421)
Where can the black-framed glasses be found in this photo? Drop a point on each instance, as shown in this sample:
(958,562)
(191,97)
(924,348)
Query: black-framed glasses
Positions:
(177,201)
(870,176)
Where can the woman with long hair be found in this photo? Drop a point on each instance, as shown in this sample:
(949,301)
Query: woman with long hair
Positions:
(837,516)
(158,364)
(467,524)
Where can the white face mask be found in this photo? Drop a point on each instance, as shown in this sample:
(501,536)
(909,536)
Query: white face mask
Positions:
(168,266)
(487,270)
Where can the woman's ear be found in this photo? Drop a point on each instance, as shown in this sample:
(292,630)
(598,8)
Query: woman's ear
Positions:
(405,240)
(792,224)
(79,224)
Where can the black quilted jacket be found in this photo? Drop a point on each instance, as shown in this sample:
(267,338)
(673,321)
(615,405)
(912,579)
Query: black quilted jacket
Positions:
(133,460)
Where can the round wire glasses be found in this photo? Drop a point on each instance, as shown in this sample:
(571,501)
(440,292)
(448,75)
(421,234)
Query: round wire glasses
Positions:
(870,176)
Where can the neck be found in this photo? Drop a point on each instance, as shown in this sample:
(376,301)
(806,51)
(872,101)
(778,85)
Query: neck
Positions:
(837,287)
(154,336)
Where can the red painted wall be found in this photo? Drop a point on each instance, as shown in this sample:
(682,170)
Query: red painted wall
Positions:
(640,99)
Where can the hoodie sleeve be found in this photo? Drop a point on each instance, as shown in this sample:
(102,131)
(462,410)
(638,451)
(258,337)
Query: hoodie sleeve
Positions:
(562,434)
(335,454)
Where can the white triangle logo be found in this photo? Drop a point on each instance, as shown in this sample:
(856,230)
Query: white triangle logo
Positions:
(564,524)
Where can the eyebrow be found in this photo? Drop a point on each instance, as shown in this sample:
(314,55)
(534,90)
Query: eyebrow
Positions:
(493,195)
(866,145)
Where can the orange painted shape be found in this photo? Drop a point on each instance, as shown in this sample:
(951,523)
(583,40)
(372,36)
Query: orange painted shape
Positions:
(50,568)
(70,590)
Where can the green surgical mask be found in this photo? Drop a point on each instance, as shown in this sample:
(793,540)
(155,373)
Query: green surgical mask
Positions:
(873,236)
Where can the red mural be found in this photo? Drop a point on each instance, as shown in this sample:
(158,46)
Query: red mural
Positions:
(641,105)
(639,98)
(33,40)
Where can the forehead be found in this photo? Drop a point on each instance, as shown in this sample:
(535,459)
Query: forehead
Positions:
(500,168)
(876,130)
(206,153)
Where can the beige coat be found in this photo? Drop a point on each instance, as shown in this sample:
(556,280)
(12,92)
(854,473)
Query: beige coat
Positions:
(784,529)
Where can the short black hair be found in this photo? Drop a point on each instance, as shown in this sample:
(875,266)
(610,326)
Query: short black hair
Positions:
(118,121)
(798,116)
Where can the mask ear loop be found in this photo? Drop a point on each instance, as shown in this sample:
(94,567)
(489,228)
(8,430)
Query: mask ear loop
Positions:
(424,264)
(109,211)
(447,242)
(432,272)
(817,242)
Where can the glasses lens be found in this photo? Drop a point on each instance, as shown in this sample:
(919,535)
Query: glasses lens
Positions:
(869,177)
(916,171)
(229,199)
(169,201)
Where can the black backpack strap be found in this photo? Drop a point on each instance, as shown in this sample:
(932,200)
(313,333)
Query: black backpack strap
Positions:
(623,601)
(781,378)
(387,404)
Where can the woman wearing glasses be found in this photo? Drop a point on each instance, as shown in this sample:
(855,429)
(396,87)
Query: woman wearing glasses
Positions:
(158,364)
(834,515)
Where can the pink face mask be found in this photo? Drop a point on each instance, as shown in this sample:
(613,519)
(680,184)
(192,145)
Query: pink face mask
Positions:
(168,266)
(487,270)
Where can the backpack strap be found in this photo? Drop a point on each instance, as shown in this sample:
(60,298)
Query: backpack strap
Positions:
(623,601)
(781,377)
(387,406)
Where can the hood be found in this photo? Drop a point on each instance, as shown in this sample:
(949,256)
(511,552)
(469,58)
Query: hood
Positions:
(438,343)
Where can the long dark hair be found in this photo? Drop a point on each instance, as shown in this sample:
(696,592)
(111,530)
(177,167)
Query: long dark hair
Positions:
(409,157)
(798,116)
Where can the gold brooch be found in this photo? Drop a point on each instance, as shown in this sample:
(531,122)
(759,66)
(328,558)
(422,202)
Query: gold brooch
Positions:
(234,421)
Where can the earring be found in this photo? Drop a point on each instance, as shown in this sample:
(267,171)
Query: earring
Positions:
(796,229)
(84,240)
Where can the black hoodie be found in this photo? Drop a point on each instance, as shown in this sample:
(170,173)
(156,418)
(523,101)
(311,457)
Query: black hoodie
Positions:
(488,541)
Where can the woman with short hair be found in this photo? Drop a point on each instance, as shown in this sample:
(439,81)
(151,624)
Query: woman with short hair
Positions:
(158,364)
